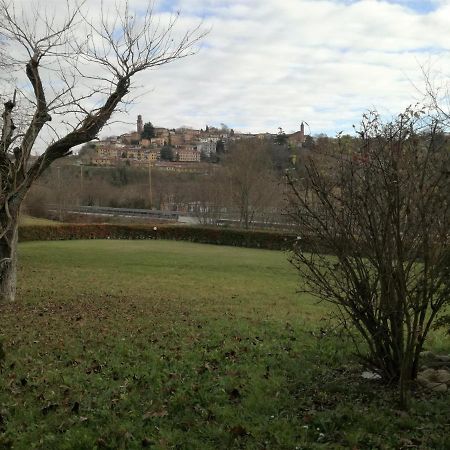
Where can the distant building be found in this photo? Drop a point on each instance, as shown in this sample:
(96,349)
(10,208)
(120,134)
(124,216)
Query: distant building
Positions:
(158,141)
(102,161)
(187,145)
(208,145)
(107,151)
(187,153)
(153,155)
(140,125)
(130,138)
(298,138)
(264,136)
(189,135)
(176,139)
(161,132)
(138,154)
(133,153)
(145,143)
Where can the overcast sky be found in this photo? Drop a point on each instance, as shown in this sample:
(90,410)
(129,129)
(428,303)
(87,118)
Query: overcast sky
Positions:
(271,63)
(274,63)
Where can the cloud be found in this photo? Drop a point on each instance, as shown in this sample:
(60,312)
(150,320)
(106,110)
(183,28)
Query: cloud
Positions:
(315,60)
(268,63)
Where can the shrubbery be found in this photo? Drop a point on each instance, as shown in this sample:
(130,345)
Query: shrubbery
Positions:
(233,237)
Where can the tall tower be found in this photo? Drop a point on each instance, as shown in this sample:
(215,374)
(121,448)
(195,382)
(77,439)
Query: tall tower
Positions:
(140,124)
(302,132)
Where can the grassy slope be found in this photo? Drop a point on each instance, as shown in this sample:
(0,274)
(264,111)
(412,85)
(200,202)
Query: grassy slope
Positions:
(29,220)
(124,344)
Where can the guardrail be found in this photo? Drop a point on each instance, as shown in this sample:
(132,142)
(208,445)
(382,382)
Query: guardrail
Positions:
(153,213)
(124,212)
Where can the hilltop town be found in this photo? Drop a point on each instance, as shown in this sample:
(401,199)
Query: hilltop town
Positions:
(183,149)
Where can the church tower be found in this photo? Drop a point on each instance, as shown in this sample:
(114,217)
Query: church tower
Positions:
(140,124)
(302,132)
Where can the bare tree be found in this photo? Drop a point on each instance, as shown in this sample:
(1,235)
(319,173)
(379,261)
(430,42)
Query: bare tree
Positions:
(209,196)
(251,179)
(79,67)
(381,207)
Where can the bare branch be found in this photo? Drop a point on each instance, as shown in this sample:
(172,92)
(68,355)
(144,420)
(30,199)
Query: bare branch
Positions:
(380,205)
(79,68)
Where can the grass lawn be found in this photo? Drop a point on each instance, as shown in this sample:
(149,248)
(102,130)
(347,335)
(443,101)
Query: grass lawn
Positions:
(158,344)
(29,220)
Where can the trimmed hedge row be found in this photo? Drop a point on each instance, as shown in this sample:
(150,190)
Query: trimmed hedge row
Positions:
(239,238)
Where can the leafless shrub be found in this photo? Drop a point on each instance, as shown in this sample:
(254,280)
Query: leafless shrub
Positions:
(381,208)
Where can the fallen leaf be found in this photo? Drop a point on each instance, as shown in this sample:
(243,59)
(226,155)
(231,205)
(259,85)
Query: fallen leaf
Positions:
(146,442)
(157,413)
(238,431)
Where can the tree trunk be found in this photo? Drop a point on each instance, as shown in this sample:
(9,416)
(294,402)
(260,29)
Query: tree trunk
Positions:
(8,261)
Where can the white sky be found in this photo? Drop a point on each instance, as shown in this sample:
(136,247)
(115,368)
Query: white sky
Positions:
(272,63)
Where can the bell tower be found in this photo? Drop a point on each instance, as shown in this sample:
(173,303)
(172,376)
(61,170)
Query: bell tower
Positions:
(140,124)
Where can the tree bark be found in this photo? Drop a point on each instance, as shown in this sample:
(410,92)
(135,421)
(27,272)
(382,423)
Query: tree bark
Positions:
(8,261)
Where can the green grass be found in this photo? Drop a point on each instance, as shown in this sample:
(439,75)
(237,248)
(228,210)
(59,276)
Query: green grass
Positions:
(30,220)
(132,344)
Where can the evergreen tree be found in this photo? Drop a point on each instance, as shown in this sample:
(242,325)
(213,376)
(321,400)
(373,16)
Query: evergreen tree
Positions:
(149,131)
(220,146)
(167,153)
(281,138)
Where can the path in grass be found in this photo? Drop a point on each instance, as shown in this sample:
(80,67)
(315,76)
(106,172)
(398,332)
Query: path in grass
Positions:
(125,344)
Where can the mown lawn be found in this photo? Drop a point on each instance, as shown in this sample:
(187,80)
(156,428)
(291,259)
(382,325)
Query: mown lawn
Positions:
(158,344)
(30,220)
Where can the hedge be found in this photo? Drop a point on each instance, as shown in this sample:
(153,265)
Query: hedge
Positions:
(233,237)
